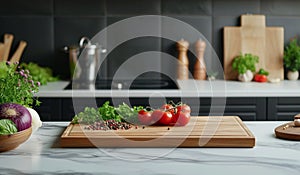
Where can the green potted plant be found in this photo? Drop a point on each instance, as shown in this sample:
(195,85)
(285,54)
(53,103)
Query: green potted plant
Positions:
(291,59)
(245,65)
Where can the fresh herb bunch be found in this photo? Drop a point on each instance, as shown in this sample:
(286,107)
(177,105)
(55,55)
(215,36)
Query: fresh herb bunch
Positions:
(38,73)
(88,116)
(17,85)
(122,113)
(129,114)
(291,56)
(91,115)
(245,62)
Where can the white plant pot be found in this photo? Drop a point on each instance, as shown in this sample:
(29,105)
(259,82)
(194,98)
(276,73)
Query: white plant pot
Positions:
(293,75)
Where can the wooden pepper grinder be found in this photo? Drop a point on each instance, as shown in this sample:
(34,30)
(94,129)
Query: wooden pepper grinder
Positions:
(183,64)
(199,67)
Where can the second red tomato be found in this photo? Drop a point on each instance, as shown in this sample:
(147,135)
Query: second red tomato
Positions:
(162,117)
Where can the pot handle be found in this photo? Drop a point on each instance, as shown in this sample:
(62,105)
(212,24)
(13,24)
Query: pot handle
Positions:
(84,41)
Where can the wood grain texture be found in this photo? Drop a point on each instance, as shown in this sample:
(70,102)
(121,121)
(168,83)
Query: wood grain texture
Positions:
(288,131)
(12,141)
(8,39)
(217,131)
(1,51)
(255,38)
(18,53)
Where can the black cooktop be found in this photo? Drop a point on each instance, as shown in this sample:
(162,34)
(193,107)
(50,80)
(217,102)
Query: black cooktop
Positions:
(125,84)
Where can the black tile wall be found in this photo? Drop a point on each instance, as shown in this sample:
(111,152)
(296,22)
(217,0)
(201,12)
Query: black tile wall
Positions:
(78,8)
(49,25)
(280,8)
(133,7)
(183,7)
(37,31)
(28,7)
(235,7)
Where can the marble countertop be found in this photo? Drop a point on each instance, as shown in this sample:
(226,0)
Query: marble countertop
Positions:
(187,88)
(40,155)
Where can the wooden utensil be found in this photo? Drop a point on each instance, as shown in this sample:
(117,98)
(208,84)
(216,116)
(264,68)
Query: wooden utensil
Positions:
(255,38)
(217,131)
(1,51)
(18,53)
(288,131)
(199,67)
(183,61)
(8,39)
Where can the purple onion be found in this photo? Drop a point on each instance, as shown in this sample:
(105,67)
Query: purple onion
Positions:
(16,113)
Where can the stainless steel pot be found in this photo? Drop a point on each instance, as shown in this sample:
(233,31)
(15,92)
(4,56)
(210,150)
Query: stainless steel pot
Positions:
(85,60)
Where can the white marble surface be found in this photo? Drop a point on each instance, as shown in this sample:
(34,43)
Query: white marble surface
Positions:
(187,88)
(40,156)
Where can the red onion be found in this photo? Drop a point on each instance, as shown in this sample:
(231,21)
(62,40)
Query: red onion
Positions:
(16,113)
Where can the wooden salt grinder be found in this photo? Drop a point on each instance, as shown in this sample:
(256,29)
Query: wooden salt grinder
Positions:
(199,67)
(183,61)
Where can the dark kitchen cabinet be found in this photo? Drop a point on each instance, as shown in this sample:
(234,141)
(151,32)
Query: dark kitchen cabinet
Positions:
(50,109)
(248,108)
(283,108)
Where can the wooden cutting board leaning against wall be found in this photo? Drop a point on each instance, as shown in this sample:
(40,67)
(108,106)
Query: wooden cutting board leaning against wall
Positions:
(254,37)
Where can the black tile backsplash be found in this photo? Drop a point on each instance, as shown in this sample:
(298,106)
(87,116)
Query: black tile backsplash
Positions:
(27,7)
(132,7)
(280,7)
(37,31)
(49,25)
(79,8)
(183,7)
(235,7)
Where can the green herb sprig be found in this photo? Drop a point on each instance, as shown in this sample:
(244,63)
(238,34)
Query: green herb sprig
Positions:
(17,85)
(129,114)
(245,62)
(105,112)
(38,73)
(291,56)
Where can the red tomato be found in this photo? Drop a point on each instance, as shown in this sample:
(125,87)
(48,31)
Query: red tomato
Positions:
(168,107)
(162,117)
(145,117)
(182,118)
(183,108)
(260,78)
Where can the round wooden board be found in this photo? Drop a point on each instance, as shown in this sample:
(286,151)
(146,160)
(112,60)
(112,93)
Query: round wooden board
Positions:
(288,131)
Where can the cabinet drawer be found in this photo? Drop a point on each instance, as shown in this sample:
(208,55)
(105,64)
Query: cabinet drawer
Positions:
(283,108)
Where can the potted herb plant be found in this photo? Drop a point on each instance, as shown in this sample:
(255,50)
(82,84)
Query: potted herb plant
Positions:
(291,59)
(18,87)
(245,65)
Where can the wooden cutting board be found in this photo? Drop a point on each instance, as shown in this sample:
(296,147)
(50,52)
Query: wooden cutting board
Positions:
(227,131)
(254,37)
(288,131)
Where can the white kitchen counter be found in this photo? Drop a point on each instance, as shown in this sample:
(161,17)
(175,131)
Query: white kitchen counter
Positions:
(40,155)
(187,88)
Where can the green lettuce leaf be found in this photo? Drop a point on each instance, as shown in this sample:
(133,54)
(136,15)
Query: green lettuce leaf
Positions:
(7,127)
